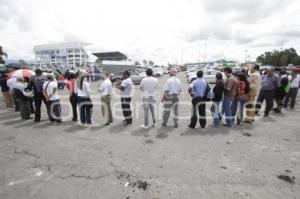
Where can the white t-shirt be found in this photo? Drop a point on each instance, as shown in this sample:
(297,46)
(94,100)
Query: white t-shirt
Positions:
(106,87)
(49,87)
(173,85)
(128,85)
(85,91)
(149,86)
(295,83)
(11,83)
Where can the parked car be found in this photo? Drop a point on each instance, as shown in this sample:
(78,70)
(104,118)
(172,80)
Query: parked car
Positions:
(158,71)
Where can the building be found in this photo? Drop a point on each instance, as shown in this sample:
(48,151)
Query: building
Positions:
(61,54)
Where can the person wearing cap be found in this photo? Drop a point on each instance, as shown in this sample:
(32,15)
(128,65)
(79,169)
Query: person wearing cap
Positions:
(105,90)
(170,99)
(73,93)
(126,93)
(198,90)
(22,100)
(50,88)
(267,92)
(148,87)
(36,83)
(83,98)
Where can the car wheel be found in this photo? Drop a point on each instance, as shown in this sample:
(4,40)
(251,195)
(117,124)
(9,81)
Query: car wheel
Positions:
(157,75)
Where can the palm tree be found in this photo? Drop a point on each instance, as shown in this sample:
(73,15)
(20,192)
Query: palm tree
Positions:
(2,54)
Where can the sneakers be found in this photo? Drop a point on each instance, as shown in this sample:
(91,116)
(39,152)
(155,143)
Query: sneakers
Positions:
(144,127)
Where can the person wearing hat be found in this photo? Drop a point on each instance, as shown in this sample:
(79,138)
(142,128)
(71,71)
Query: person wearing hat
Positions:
(170,98)
(267,92)
(73,93)
(22,100)
(50,88)
(126,93)
(8,99)
(36,83)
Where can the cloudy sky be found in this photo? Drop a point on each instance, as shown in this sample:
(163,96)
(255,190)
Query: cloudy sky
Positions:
(159,30)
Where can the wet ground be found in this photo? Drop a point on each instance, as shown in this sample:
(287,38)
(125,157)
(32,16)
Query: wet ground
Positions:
(46,160)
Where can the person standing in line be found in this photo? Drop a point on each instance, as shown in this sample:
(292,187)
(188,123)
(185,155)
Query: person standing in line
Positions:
(8,99)
(230,87)
(148,87)
(22,100)
(73,94)
(26,81)
(218,92)
(198,91)
(267,92)
(293,92)
(105,90)
(255,84)
(36,84)
(126,93)
(50,88)
(241,98)
(281,91)
(11,82)
(83,98)
(170,98)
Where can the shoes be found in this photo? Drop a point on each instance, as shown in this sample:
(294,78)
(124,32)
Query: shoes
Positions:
(175,125)
(247,121)
(191,127)
(266,114)
(228,126)
(128,123)
(107,123)
(144,127)
(153,125)
(164,125)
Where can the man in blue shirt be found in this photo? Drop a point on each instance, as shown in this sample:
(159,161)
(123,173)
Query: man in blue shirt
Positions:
(198,91)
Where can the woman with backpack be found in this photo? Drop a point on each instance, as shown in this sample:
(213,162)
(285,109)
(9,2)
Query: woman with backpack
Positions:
(241,98)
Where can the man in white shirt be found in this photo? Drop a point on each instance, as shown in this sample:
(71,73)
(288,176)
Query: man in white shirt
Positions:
(126,92)
(50,88)
(170,98)
(148,87)
(292,94)
(105,92)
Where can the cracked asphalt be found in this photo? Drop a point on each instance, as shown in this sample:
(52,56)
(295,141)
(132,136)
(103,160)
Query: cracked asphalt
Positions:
(45,160)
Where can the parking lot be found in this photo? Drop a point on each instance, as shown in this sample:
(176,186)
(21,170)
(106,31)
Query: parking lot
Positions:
(45,160)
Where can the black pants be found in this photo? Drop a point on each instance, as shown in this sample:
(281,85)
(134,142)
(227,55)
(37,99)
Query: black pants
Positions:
(200,107)
(291,95)
(125,104)
(16,102)
(38,99)
(267,96)
(73,101)
(54,110)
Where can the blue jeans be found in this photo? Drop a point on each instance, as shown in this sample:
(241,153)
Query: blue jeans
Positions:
(215,111)
(85,107)
(226,105)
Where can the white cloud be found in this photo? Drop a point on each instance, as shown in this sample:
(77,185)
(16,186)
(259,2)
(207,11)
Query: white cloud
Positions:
(158,29)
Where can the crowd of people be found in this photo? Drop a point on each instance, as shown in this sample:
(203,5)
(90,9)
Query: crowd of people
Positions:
(237,97)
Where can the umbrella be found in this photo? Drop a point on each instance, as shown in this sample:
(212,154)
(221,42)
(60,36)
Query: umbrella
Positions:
(21,72)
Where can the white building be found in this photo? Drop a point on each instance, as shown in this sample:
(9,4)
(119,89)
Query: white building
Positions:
(61,54)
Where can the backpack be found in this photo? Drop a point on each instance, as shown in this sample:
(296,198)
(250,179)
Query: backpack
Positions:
(38,85)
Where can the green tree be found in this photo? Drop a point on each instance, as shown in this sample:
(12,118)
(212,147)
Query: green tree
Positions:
(2,54)
(296,61)
(137,63)
(22,62)
(145,62)
(277,58)
(151,63)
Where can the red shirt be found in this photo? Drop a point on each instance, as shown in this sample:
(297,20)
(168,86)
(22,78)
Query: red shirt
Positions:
(71,84)
(241,88)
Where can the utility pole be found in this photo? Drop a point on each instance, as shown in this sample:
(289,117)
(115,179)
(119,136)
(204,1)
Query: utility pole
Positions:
(205,51)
